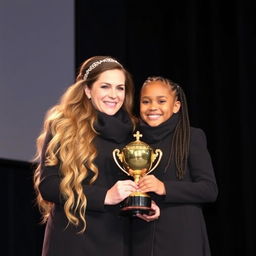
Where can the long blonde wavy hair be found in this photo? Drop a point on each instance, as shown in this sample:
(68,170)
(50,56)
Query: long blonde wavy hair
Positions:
(70,125)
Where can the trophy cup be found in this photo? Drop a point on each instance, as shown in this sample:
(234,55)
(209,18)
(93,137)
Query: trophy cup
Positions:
(137,160)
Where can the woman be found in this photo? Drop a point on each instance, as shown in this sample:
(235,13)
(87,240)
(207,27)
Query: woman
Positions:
(78,185)
(182,182)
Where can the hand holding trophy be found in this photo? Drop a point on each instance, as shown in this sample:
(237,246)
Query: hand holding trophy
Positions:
(137,160)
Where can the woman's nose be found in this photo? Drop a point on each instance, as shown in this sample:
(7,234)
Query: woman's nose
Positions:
(112,93)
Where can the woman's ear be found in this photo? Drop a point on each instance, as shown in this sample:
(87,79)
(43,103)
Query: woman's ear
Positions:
(176,106)
(87,92)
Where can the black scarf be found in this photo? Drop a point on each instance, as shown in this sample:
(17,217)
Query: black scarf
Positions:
(116,128)
(155,134)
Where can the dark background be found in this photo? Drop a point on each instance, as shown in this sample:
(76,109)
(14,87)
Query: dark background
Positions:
(208,47)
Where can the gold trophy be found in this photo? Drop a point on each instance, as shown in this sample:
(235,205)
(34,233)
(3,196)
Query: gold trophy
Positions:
(137,160)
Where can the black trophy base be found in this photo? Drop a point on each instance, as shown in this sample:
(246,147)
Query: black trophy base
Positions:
(137,204)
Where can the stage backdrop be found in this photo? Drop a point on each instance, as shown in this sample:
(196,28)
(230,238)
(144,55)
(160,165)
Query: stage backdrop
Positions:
(36,65)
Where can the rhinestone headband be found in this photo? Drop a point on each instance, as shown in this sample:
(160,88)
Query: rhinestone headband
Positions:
(96,64)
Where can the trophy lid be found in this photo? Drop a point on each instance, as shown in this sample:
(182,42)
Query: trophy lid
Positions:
(137,144)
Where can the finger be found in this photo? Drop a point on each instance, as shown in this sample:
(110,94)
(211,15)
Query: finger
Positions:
(148,188)
(148,178)
(130,183)
(148,218)
(126,184)
(143,217)
(152,218)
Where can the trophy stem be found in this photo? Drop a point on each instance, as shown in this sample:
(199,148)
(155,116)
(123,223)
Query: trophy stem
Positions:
(137,174)
(136,178)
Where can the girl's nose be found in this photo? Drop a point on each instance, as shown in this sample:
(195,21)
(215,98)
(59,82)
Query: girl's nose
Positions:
(153,106)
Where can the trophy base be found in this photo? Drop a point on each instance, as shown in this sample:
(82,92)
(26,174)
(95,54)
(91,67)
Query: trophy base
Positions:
(132,211)
(137,204)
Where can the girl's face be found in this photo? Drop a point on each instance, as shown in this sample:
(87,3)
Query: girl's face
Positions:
(108,92)
(157,103)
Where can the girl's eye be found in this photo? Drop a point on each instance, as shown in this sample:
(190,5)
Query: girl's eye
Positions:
(162,101)
(144,101)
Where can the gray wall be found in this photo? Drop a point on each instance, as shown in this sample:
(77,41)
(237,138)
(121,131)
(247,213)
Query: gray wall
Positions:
(36,66)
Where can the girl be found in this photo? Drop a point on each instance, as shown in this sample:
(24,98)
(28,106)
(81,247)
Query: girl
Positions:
(183,180)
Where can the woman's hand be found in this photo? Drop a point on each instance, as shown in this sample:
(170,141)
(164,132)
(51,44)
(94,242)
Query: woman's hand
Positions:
(153,216)
(120,190)
(149,183)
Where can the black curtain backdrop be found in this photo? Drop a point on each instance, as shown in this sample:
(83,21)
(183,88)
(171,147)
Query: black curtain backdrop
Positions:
(209,48)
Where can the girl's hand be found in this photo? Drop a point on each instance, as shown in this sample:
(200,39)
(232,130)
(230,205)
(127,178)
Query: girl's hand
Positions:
(149,183)
(153,216)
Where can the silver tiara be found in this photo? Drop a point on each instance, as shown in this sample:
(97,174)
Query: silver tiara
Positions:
(97,63)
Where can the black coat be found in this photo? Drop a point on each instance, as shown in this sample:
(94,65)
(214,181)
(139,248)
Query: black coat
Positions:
(106,232)
(180,229)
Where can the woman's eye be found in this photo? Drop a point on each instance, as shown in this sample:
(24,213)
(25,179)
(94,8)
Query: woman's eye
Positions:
(104,86)
(122,88)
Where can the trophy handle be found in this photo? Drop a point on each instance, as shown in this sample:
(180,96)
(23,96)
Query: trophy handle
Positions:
(120,156)
(159,153)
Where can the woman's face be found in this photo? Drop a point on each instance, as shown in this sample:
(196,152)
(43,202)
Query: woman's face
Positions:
(108,92)
(157,103)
